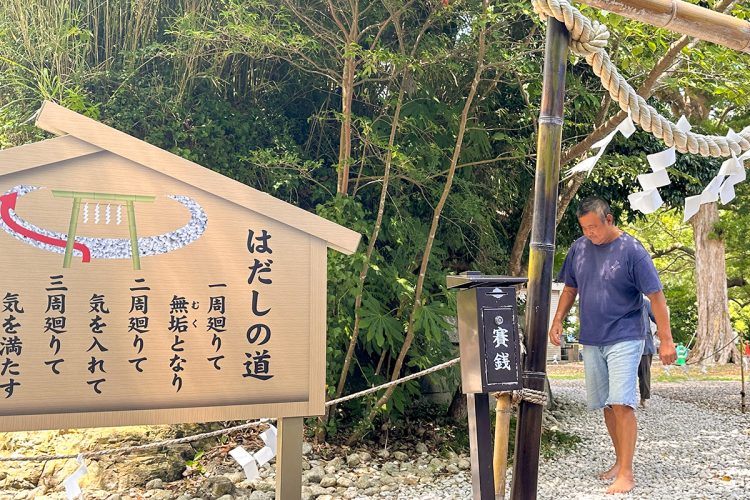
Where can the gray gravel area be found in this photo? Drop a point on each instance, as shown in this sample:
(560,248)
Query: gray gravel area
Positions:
(693,443)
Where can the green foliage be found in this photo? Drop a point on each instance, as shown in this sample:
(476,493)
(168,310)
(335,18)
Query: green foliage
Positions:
(253,90)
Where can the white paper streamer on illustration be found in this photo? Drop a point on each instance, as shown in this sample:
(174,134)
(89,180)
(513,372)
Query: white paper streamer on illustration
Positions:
(626,128)
(72,489)
(246,461)
(646,201)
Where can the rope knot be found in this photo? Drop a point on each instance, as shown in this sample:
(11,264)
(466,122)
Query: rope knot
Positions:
(589,39)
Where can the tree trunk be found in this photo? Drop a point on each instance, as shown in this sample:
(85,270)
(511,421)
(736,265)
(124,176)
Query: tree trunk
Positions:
(458,411)
(345,137)
(713,339)
(410,333)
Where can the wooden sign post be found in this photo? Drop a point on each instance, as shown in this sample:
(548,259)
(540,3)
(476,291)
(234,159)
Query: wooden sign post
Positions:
(211,305)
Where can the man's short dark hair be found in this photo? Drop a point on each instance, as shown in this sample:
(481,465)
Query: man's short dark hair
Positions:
(593,204)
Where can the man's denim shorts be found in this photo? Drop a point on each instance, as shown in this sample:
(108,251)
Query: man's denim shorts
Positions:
(611,373)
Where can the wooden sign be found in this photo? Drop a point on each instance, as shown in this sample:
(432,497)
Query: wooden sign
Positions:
(140,288)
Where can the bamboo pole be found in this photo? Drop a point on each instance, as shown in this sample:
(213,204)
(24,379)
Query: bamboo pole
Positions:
(541,253)
(135,256)
(682,17)
(102,196)
(502,429)
(72,232)
(743,405)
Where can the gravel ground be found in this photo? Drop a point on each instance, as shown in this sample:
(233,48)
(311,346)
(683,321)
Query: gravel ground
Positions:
(693,443)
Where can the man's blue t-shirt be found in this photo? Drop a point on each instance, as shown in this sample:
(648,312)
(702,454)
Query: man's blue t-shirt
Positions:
(610,279)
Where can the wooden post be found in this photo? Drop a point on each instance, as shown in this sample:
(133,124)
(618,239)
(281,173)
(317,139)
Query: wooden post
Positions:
(72,232)
(502,429)
(480,451)
(289,459)
(542,249)
(135,256)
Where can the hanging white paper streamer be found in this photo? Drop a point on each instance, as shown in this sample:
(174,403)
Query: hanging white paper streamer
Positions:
(692,205)
(626,128)
(727,191)
(269,437)
(668,157)
(269,450)
(734,169)
(263,456)
(654,180)
(731,173)
(662,159)
(246,461)
(72,489)
(646,201)
(649,200)
(711,191)
(732,166)
(683,124)
(588,164)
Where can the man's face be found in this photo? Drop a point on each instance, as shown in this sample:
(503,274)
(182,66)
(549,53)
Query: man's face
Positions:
(594,229)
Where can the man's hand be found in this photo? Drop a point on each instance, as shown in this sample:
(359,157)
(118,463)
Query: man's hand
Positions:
(667,352)
(555,331)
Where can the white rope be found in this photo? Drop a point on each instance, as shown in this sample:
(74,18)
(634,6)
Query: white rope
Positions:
(526,394)
(128,449)
(395,382)
(589,39)
(197,437)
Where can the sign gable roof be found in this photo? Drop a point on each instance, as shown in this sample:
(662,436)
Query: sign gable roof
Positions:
(82,136)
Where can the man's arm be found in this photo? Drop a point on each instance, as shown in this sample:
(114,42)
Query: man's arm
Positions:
(567,298)
(667,352)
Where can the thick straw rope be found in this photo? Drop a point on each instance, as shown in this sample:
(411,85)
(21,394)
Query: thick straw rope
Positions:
(589,40)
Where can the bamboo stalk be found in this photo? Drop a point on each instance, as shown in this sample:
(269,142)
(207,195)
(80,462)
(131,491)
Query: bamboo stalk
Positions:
(502,430)
(102,196)
(541,253)
(683,17)
(743,405)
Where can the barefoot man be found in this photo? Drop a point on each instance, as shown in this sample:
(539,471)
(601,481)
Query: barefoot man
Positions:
(609,270)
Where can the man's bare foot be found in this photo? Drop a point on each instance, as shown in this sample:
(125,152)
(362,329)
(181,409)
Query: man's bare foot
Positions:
(623,483)
(611,473)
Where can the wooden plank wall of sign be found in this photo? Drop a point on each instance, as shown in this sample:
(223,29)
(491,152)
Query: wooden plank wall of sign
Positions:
(91,158)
